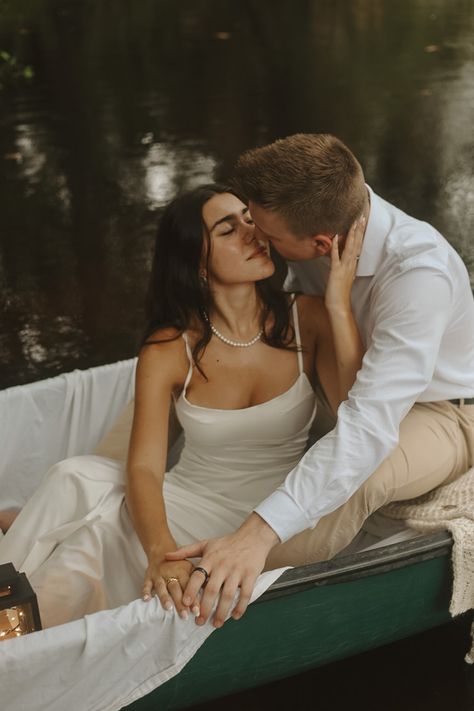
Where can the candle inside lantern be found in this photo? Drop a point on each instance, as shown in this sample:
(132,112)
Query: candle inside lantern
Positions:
(19,613)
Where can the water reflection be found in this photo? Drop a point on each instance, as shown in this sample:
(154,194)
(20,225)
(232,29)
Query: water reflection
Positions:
(167,169)
(131,103)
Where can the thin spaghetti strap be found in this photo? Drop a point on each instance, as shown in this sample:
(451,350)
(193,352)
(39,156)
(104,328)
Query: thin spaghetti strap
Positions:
(296,324)
(190,358)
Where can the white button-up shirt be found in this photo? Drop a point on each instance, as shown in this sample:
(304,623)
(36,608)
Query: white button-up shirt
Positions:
(414,306)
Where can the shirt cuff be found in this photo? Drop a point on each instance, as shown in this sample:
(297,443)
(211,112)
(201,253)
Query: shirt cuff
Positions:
(281,512)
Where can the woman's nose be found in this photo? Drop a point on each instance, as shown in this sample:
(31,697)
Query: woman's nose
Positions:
(249,232)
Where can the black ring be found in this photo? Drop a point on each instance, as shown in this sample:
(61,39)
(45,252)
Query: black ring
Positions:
(203,571)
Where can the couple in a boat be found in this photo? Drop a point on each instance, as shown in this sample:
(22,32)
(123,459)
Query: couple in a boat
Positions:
(377,313)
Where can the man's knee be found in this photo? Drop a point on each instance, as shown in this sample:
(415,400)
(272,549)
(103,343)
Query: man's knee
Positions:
(377,489)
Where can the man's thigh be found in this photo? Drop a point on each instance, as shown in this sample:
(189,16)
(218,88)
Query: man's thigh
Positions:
(432,450)
(466,421)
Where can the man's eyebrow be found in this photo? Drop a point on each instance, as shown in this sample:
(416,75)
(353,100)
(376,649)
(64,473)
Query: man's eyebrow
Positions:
(228,218)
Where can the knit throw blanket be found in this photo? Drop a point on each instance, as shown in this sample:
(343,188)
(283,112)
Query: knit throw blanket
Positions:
(448,507)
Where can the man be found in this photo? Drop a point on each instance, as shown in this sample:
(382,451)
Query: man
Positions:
(408,423)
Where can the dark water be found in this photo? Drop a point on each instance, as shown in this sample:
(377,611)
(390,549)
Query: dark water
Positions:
(132,101)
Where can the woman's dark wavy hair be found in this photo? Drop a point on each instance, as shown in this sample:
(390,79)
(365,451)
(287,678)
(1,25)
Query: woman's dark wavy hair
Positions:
(178,297)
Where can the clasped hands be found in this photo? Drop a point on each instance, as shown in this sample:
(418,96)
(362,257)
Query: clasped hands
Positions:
(232,564)
(168,580)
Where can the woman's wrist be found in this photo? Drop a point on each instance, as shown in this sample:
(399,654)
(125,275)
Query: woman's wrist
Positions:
(158,550)
(339,310)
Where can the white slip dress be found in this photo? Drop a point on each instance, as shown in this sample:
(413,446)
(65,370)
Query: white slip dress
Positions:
(74,538)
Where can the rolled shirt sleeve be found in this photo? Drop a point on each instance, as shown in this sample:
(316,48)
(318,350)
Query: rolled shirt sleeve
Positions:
(410,314)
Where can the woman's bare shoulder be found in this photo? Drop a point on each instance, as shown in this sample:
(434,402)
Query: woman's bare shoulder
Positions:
(163,354)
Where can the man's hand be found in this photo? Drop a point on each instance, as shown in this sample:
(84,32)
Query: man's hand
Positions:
(233,561)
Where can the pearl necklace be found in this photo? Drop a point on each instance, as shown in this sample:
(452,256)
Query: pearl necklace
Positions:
(236,344)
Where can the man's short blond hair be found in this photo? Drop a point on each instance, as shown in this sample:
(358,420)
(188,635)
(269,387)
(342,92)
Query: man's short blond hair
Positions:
(312,180)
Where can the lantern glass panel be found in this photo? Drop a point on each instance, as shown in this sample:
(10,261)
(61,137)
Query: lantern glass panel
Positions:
(16,620)
(19,613)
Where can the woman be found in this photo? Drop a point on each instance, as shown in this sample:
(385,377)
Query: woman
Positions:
(239,357)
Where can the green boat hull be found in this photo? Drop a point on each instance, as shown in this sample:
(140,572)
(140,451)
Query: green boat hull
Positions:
(316,615)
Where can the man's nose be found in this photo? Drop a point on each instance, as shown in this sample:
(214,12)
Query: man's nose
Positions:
(260,235)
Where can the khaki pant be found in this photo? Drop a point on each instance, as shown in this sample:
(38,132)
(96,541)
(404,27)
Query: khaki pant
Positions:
(436,446)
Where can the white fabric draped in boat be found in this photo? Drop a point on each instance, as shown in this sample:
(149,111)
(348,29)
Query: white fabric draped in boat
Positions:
(106,660)
(47,421)
(103,661)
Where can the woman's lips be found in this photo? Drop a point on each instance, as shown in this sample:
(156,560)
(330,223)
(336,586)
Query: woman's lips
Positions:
(258,252)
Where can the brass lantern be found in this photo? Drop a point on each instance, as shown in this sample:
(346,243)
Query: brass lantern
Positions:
(19,612)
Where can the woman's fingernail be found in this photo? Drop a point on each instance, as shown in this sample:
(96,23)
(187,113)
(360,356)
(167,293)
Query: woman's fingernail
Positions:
(183,614)
(147,597)
(186,600)
(196,610)
(168,606)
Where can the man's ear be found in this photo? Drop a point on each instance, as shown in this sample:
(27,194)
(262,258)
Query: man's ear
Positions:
(321,245)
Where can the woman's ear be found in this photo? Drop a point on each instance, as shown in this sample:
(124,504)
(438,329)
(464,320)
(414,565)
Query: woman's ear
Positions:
(321,245)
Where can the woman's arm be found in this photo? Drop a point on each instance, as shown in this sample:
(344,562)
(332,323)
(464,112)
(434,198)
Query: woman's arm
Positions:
(339,348)
(339,353)
(161,370)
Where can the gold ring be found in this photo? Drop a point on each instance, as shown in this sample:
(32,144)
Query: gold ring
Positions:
(171,580)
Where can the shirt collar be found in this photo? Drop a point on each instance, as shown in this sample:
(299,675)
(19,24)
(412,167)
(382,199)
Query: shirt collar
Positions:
(378,227)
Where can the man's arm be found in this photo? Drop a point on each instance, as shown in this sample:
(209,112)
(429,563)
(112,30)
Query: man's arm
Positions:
(410,319)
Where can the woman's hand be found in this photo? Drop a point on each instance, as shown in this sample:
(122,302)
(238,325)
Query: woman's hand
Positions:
(168,579)
(233,562)
(343,268)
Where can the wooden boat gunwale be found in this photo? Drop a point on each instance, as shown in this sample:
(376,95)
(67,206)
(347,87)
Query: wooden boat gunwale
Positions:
(361,564)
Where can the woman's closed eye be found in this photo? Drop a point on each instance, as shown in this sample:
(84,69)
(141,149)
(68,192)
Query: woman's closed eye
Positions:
(228,227)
